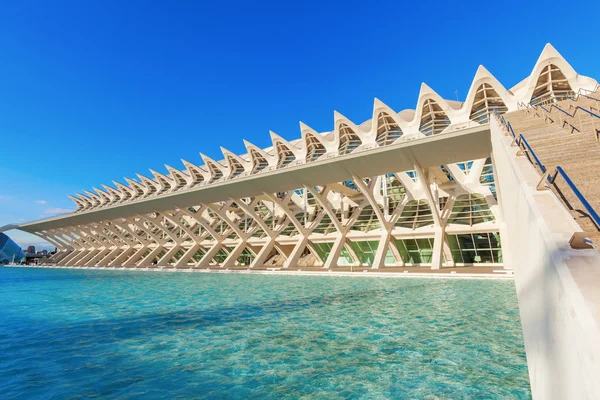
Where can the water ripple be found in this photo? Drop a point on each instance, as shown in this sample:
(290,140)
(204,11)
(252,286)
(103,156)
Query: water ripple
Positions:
(130,335)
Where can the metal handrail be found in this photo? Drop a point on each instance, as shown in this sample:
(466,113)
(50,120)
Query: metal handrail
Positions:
(535,157)
(593,114)
(551,178)
(591,211)
(510,128)
(589,91)
(578,128)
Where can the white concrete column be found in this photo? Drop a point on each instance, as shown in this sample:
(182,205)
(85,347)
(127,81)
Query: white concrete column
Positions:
(235,253)
(90,255)
(336,250)
(182,262)
(123,256)
(438,248)
(101,254)
(264,252)
(296,253)
(74,255)
(148,259)
(209,255)
(169,254)
(382,249)
(135,257)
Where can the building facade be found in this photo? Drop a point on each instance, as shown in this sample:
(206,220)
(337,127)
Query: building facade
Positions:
(415,187)
(10,252)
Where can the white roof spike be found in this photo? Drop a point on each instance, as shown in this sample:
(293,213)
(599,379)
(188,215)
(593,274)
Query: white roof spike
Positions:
(378,103)
(304,127)
(142,177)
(76,200)
(338,115)
(482,72)
(158,175)
(275,136)
(207,160)
(118,184)
(189,165)
(250,146)
(99,191)
(111,190)
(247,143)
(426,89)
(132,182)
(83,197)
(549,52)
(174,171)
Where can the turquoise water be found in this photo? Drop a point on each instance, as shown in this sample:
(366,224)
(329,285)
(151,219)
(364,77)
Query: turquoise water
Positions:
(145,335)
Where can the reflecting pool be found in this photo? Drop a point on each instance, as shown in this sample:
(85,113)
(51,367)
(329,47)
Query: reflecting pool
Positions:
(143,335)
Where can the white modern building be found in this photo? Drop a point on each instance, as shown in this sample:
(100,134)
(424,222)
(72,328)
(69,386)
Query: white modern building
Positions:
(461,186)
(409,188)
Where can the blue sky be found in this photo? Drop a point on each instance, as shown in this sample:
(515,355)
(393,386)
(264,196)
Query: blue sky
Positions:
(91,92)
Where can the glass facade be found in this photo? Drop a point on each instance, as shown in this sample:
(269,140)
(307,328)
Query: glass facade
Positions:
(323,250)
(476,248)
(415,251)
(487,176)
(470,209)
(416,213)
(9,250)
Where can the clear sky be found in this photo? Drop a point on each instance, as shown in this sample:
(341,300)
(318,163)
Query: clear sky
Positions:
(92,91)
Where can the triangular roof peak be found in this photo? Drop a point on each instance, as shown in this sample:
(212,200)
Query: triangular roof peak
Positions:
(378,103)
(482,72)
(276,137)
(229,154)
(549,52)
(304,127)
(425,90)
(207,160)
(338,115)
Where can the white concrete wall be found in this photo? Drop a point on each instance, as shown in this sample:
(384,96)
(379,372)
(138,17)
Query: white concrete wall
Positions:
(558,288)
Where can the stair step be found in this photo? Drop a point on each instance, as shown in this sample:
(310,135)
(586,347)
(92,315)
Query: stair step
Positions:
(578,153)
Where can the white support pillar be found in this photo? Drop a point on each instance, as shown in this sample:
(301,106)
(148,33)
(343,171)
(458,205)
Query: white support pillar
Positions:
(147,260)
(235,253)
(264,252)
(296,253)
(336,250)
(123,256)
(135,257)
(92,262)
(209,255)
(182,262)
(438,248)
(73,256)
(382,249)
(169,254)
(83,261)
(103,262)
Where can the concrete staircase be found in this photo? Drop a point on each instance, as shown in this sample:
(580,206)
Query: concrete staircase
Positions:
(578,153)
